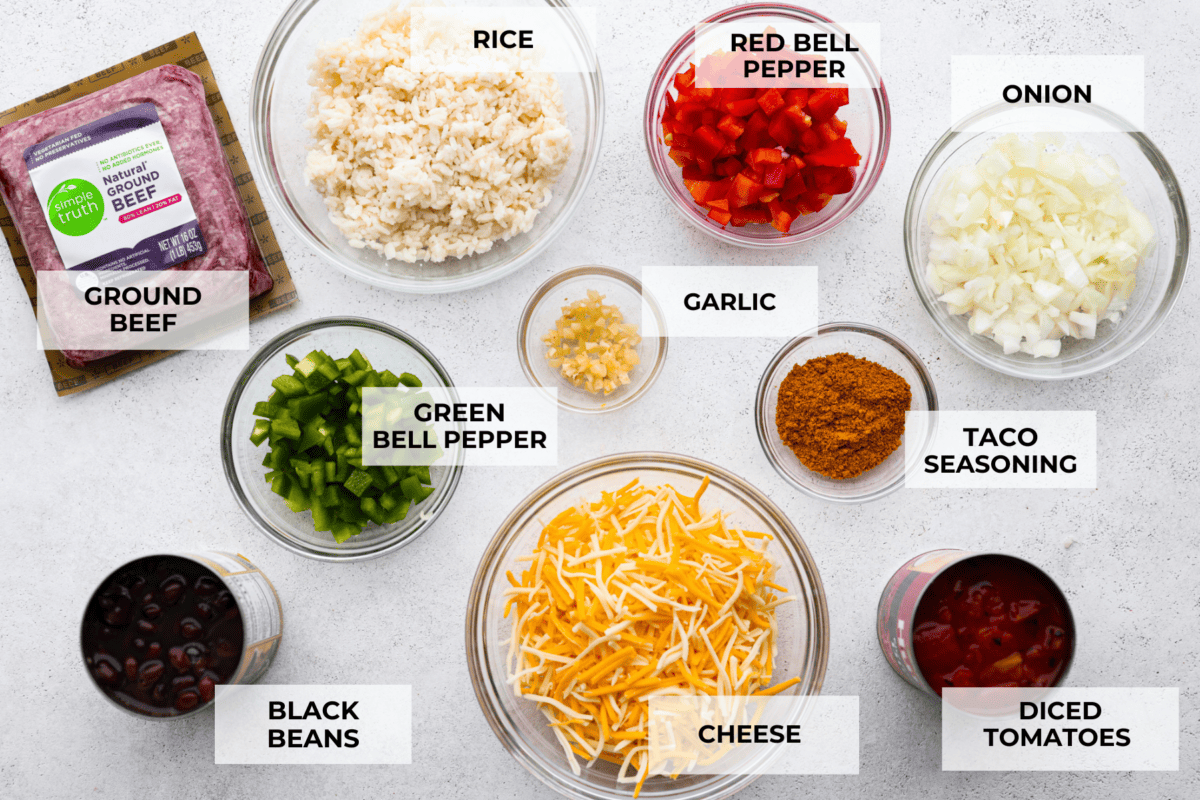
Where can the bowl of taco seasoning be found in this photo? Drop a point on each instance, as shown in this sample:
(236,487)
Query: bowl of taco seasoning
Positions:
(832,412)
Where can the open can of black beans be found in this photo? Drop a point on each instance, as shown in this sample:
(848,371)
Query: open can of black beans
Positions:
(162,631)
(954,618)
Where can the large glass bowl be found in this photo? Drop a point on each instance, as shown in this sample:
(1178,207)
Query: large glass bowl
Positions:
(521,727)
(868,116)
(279,103)
(386,348)
(1150,185)
(863,341)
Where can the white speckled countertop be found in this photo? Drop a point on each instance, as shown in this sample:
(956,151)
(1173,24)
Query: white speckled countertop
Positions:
(132,467)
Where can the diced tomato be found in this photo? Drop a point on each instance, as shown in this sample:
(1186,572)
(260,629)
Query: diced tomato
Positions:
(771,101)
(839,154)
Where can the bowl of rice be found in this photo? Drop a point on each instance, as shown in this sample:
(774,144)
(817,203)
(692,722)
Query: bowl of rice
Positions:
(418,174)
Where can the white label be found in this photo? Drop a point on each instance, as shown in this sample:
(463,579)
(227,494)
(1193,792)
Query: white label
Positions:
(779,52)
(313,725)
(736,735)
(493,427)
(733,301)
(143,310)
(1006,450)
(1115,83)
(1077,729)
(469,40)
(112,194)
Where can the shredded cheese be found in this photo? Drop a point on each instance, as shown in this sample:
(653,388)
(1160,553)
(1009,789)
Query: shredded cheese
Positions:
(639,594)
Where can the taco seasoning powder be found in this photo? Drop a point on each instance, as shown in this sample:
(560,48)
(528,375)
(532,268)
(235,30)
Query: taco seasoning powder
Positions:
(842,415)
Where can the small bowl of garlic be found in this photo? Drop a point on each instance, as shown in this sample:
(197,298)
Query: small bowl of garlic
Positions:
(1046,242)
(592,334)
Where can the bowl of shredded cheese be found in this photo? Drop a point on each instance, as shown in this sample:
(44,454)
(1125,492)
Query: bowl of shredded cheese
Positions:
(1046,242)
(594,336)
(636,576)
(405,167)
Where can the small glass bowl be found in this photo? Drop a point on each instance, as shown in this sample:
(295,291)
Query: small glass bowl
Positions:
(620,289)
(279,102)
(1150,185)
(803,625)
(863,341)
(386,348)
(868,116)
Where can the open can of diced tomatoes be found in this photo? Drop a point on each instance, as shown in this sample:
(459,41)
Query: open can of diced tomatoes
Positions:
(951,618)
(162,631)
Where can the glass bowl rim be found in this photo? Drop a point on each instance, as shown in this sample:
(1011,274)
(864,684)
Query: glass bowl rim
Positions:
(1158,162)
(257,361)
(539,295)
(263,152)
(504,538)
(761,397)
(659,83)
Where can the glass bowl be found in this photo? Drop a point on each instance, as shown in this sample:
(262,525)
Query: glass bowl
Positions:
(1150,185)
(868,117)
(620,289)
(386,348)
(279,103)
(522,729)
(863,341)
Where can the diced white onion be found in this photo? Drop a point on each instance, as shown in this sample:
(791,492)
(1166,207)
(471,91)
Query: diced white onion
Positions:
(1035,243)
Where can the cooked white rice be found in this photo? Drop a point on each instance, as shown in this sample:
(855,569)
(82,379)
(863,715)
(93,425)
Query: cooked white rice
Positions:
(429,166)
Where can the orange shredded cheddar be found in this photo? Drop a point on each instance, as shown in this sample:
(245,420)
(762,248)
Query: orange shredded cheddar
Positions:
(636,595)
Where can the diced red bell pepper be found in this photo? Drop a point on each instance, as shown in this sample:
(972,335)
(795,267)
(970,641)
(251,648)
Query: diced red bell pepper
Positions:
(718,216)
(774,176)
(824,103)
(731,148)
(793,187)
(705,167)
(771,101)
(827,133)
(692,172)
(704,95)
(839,154)
(798,119)
(761,157)
(838,125)
(731,127)
(809,141)
(720,203)
(781,215)
(812,202)
(780,130)
(756,132)
(744,191)
(833,180)
(755,214)
(710,117)
(730,94)
(742,108)
(728,167)
(719,191)
(682,156)
(768,197)
(707,142)
(698,189)
(685,80)
(796,97)
(794,165)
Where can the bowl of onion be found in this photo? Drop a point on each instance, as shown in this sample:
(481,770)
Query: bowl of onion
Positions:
(1046,242)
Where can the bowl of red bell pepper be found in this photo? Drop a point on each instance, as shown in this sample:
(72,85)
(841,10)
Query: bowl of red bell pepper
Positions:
(768,166)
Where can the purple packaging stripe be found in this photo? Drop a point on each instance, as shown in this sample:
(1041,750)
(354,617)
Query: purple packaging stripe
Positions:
(90,134)
(161,251)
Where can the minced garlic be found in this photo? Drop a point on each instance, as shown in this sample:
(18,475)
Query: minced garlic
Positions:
(592,345)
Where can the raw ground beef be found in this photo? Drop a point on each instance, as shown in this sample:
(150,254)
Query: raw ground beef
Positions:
(179,95)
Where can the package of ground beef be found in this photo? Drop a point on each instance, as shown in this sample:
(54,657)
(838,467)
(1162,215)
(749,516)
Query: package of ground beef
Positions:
(163,196)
